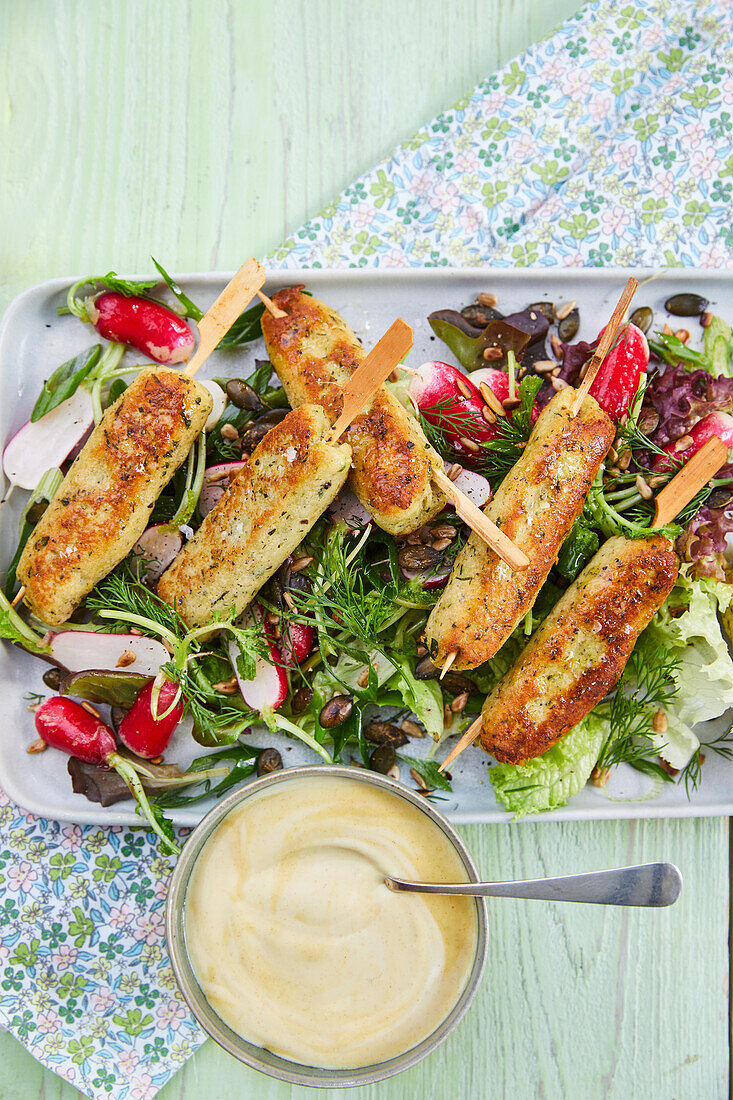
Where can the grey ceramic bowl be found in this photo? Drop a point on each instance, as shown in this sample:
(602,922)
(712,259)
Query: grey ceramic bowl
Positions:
(255,1056)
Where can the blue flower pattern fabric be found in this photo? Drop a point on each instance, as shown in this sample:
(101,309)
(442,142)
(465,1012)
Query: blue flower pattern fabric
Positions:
(608,143)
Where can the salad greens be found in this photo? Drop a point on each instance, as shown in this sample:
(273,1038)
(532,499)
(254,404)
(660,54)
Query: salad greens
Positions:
(358,591)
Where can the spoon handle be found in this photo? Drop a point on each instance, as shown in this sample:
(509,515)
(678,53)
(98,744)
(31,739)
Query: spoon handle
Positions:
(649,884)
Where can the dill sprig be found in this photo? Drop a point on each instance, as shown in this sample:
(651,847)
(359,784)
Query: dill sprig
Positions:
(692,772)
(216,719)
(648,683)
(123,591)
(494,457)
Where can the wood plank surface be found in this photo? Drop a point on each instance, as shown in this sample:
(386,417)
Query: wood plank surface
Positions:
(202,132)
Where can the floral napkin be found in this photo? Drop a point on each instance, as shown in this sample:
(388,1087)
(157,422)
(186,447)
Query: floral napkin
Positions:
(608,143)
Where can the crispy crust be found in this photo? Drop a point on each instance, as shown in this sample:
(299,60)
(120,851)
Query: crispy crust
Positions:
(536,505)
(267,510)
(104,502)
(579,652)
(314,353)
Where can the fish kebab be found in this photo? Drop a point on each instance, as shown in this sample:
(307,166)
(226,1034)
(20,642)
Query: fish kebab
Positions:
(290,479)
(536,505)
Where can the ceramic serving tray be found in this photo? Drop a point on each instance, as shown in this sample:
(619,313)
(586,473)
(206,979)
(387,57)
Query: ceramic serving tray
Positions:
(34,340)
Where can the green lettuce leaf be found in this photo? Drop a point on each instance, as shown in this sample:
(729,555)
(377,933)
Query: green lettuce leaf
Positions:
(718,346)
(423,697)
(705,674)
(550,780)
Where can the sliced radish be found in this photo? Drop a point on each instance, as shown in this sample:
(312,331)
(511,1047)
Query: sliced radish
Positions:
(47,443)
(716,424)
(269,687)
(348,509)
(158,546)
(216,480)
(77,650)
(428,578)
(618,379)
(474,485)
(220,403)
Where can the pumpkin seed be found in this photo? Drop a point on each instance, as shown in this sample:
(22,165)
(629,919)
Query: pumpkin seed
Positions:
(642,318)
(686,305)
(569,324)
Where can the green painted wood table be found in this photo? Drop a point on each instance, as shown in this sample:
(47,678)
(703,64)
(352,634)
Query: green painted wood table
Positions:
(204,131)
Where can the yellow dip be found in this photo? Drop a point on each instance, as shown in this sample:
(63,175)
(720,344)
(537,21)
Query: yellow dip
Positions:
(300,947)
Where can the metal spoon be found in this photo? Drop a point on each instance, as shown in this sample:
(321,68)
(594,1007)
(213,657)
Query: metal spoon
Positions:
(650,884)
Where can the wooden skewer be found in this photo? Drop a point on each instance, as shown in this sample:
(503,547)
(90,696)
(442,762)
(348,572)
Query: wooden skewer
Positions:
(18,596)
(270,306)
(378,365)
(468,739)
(220,317)
(689,480)
(500,543)
(604,344)
(448,662)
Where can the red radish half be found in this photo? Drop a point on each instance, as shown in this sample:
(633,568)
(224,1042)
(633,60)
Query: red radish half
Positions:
(618,379)
(40,446)
(78,650)
(148,326)
(449,399)
(716,424)
(158,546)
(142,732)
(496,380)
(348,509)
(216,480)
(269,688)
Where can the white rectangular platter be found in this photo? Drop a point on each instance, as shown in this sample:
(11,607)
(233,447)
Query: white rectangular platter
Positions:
(34,340)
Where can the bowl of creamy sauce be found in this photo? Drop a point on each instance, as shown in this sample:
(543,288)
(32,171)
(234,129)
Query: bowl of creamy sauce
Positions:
(290,949)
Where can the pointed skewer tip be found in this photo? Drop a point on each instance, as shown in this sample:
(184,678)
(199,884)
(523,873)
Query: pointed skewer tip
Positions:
(270,306)
(448,662)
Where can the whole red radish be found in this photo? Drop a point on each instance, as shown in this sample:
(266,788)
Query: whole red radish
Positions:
(68,726)
(618,378)
(148,326)
(146,732)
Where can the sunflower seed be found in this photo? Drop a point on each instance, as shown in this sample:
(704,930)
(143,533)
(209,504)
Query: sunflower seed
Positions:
(563,311)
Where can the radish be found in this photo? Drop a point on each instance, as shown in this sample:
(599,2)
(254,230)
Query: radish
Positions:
(148,326)
(618,379)
(78,650)
(39,446)
(220,403)
(449,399)
(158,546)
(715,424)
(145,732)
(296,643)
(428,578)
(496,380)
(474,485)
(216,479)
(68,726)
(348,509)
(269,688)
